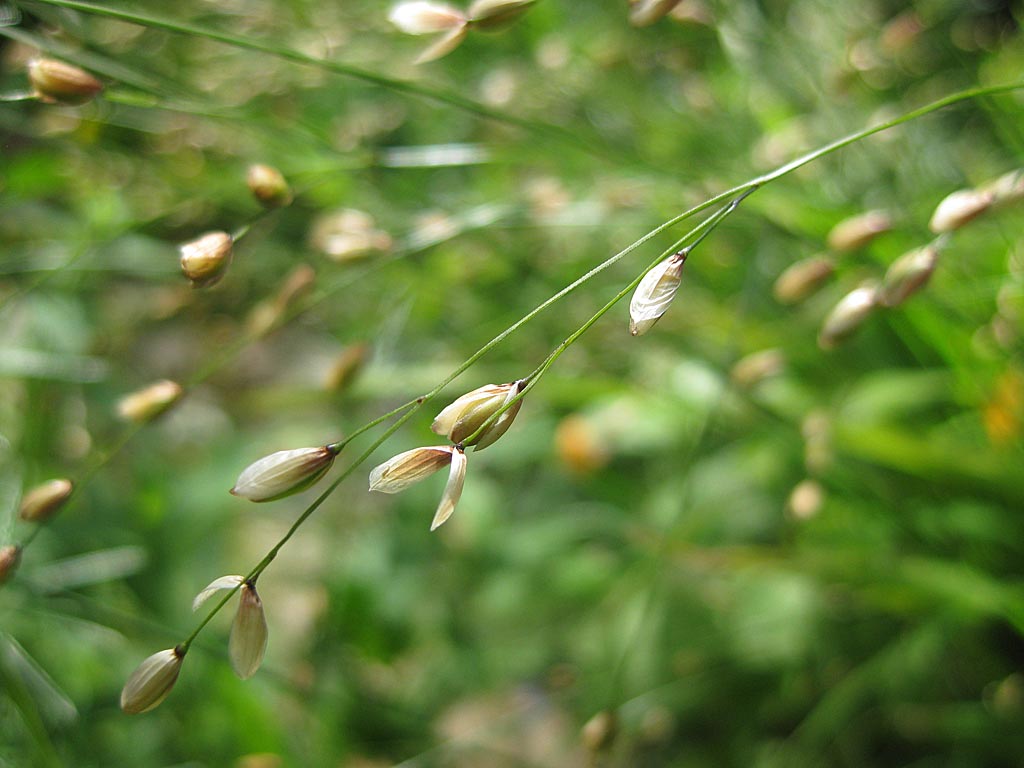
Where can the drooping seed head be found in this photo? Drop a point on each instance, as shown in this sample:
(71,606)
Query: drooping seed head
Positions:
(205,261)
(959,208)
(42,502)
(268,186)
(848,315)
(150,402)
(283,473)
(248,641)
(655,293)
(495,14)
(10,557)
(643,13)
(468,413)
(802,279)
(857,231)
(452,489)
(907,275)
(398,473)
(57,82)
(151,681)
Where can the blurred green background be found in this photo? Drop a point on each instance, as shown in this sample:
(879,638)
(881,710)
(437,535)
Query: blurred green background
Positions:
(816,563)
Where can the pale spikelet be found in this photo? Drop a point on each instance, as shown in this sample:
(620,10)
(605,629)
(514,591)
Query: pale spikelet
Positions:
(248,641)
(452,489)
(283,473)
(848,315)
(444,45)
(269,313)
(468,413)
(643,13)
(398,473)
(495,14)
(857,231)
(805,500)
(150,402)
(655,293)
(348,234)
(801,279)
(10,557)
(224,582)
(599,732)
(1007,189)
(152,680)
(57,82)
(347,367)
(756,367)
(424,18)
(205,261)
(907,275)
(42,502)
(960,207)
(268,186)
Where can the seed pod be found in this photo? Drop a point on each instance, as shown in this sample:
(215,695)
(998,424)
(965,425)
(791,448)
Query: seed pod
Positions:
(466,415)
(284,473)
(452,489)
(907,275)
(148,403)
(152,680)
(43,501)
(643,13)
(848,315)
(398,473)
(801,279)
(348,234)
(655,293)
(268,186)
(205,261)
(958,208)
(57,82)
(495,14)
(248,641)
(857,231)
(10,557)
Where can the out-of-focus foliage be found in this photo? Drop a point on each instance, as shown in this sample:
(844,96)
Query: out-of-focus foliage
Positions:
(818,559)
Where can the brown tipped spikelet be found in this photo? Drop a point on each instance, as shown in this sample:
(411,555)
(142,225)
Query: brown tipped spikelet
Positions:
(495,14)
(10,557)
(57,82)
(421,17)
(152,681)
(802,279)
(42,502)
(848,315)
(959,208)
(284,473)
(268,186)
(857,231)
(907,275)
(460,420)
(150,402)
(205,261)
(403,470)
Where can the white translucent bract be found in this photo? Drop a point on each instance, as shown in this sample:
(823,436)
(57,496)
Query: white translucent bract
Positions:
(452,489)
(423,18)
(654,294)
(224,582)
